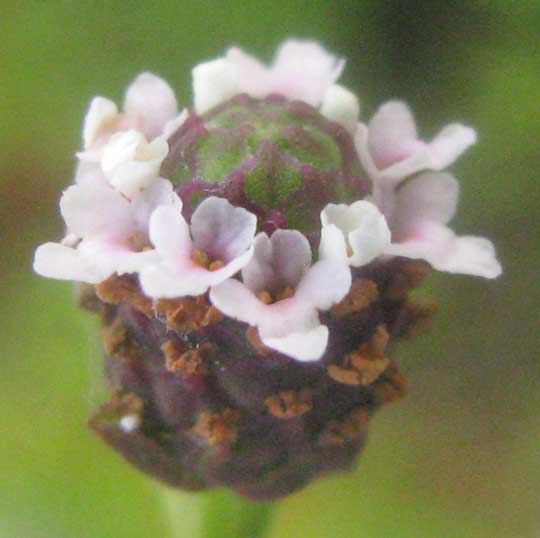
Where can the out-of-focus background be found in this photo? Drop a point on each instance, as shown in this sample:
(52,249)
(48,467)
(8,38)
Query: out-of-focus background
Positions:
(460,457)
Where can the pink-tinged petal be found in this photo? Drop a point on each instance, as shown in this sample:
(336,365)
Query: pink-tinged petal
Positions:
(431,196)
(449,144)
(222,230)
(169,233)
(277,262)
(341,105)
(392,134)
(291,256)
(152,101)
(304,70)
(361,137)
(94,210)
(173,125)
(115,256)
(235,300)
(445,251)
(101,115)
(160,192)
(166,281)
(54,260)
(130,163)
(213,83)
(308,345)
(364,229)
(324,284)
(253,76)
(258,274)
(89,173)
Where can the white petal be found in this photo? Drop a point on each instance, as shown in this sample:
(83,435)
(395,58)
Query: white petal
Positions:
(89,173)
(324,284)
(303,346)
(392,134)
(361,138)
(333,245)
(160,192)
(152,101)
(253,76)
(100,116)
(259,274)
(115,256)
(277,262)
(163,281)
(91,210)
(430,196)
(342,106)
(304,70)
(222,230)
(53,260)
(235,300)
(370,236)
(449,144)
(364,229)
(130,163)
(213,83)
(169,233)
(173,125)
(445,251)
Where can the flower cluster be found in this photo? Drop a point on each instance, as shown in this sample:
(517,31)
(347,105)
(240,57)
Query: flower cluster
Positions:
(269,206)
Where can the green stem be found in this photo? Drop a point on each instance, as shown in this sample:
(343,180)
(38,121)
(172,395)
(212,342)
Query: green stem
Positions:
(216,514)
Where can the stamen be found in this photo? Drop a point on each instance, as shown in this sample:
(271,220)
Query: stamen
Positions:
(118,342)
(363,292)
(200,257)
(180,360)
(139,242)
(289,404)
(364,366)
(284,293)
(265,297)
(220,427)
(215,265)
(348,428)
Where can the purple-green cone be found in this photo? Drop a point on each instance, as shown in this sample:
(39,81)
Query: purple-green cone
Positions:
(208,404)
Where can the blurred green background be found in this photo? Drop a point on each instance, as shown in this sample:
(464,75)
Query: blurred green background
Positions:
(460,457)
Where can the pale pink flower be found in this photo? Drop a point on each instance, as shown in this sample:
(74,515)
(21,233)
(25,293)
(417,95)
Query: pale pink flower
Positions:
(390,150)
(106,233)
(220,234)
(421,210)
(301,70)
(281,266)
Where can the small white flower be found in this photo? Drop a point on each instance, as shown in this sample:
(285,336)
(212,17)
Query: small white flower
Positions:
(217,246)
(390,150)
(353,234)
(106,233)
(131,163)
(301,70)
(282,293)
(149,105)
(421,210)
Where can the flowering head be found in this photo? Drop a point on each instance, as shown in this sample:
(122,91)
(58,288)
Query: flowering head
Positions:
(251,260)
